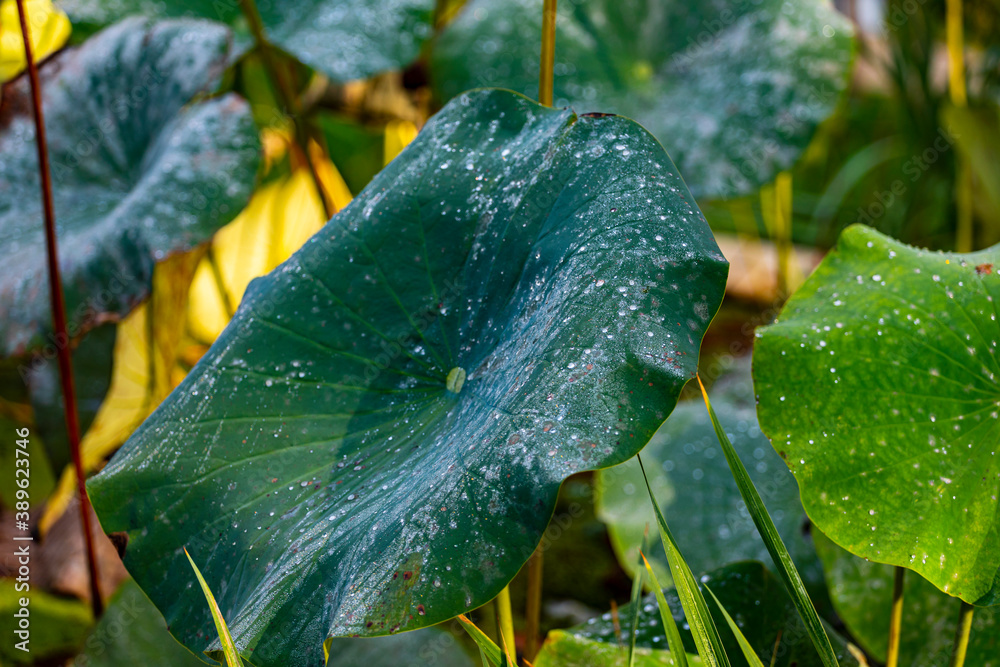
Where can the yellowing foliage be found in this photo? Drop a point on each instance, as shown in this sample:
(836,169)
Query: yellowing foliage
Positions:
(281,217)
(145,356)
(48,28)
(398,133)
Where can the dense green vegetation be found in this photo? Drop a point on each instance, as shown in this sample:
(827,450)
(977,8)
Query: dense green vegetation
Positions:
(364,357)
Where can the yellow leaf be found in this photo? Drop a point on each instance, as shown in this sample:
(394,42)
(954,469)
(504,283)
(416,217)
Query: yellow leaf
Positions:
(398,133)
(281,217)
(335,190)
(48,27)
(145,356)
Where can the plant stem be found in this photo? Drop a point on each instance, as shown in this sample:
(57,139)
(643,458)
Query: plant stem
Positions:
(286,96)
(534,605)
(956,53)
(546,75)
(957,94)
(961,645)
(505,620)
(58,302)
(895,618)
(783,229)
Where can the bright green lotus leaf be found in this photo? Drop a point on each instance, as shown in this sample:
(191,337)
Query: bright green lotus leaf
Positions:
(755,599)
(733,89)
(376,442)
(877,385)
(344,39)
(862,595)
(137,172)
(565,649)
(696,492)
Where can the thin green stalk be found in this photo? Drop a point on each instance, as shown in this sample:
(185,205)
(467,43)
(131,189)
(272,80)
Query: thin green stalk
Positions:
(674,641)
(956,52)
(228,646)
(774,650)
(703,630)
(895,618)
(505,620)
(533,612)
(546,75)
(487,648)
(775,547)
(961,645)
(286,95)
(752,658)
(957,93)
(58,306)
(783,229)
(635,602)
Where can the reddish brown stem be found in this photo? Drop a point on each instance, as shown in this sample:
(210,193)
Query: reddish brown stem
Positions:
(59,314)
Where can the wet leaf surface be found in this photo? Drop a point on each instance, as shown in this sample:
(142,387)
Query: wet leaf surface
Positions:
(137,172)
(896,462)
(377,440)
(733,90)
(344,39)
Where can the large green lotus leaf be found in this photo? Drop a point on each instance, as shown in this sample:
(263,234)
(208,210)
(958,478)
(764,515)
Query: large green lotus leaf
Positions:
(755,599)
(733,89)
(376,442)
(136,174)
(344,39)
(862,595)
(696,492)
(877,385)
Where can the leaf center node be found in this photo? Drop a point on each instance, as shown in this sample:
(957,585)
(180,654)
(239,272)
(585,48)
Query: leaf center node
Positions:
(456,378)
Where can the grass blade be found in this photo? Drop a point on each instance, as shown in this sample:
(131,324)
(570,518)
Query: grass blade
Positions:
(489,650)
(779,554)
(706,635)
(636,603)
(748,652)
(228,647)
(505,626)
(674,641)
